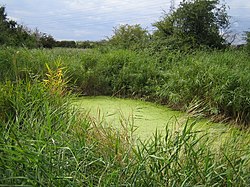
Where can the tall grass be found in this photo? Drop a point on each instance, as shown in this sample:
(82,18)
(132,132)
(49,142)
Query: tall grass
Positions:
(213,84)
(205,83)
(31,134)
(44,146)
(45,142)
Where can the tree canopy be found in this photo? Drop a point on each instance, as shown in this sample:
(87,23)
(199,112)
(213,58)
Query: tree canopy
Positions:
(14,34)
(195,23)
(129,36)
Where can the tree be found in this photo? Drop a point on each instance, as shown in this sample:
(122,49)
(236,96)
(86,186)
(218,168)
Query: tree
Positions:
(5,27)
(68,44)
(14,34)
(47,41)
(129,37)
(195,23)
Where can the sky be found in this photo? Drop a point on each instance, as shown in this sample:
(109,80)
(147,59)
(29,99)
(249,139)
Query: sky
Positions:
(95,19)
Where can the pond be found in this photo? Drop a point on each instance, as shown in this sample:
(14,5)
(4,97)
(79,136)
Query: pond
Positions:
(144,117)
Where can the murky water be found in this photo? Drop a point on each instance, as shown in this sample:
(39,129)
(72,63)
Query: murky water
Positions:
(145,117)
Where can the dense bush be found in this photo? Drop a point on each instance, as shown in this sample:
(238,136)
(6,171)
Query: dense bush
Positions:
(13,34)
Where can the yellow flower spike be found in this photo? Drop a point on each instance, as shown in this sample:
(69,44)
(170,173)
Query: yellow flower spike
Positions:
(54,81)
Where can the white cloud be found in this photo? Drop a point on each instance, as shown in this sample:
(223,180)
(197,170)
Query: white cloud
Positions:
(236,4)
(94,19)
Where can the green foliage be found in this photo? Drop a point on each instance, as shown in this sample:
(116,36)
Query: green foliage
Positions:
(118,72)
(13,34)
(5,26)
(69,44)
(23,64)
(47,41)
(44,141)
(194,23)
(33,136)
(214,83)
(129,37)
(248,41)
(210,83)
(46,144)
(184,158)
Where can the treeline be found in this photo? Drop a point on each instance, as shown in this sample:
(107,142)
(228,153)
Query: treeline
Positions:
(79,44)
(49,42)
(17,35)
(192,25)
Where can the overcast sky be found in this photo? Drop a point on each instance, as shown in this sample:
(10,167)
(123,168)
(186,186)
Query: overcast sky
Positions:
(95,19)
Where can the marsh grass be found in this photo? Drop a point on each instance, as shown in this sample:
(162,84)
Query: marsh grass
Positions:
(31,134)
(187,158)
(45,142)
(208,84)
(211,84)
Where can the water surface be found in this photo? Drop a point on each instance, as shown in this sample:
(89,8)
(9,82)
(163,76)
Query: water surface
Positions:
(146,117)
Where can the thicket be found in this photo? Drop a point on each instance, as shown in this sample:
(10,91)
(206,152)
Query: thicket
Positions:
(194,24)
(132,37)
(13,34)
(17,35)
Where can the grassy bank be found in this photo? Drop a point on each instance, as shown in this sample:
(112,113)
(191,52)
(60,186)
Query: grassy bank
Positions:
(45,142)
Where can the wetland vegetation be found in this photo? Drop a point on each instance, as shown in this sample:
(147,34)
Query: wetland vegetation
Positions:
(161,113)
(44,141)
